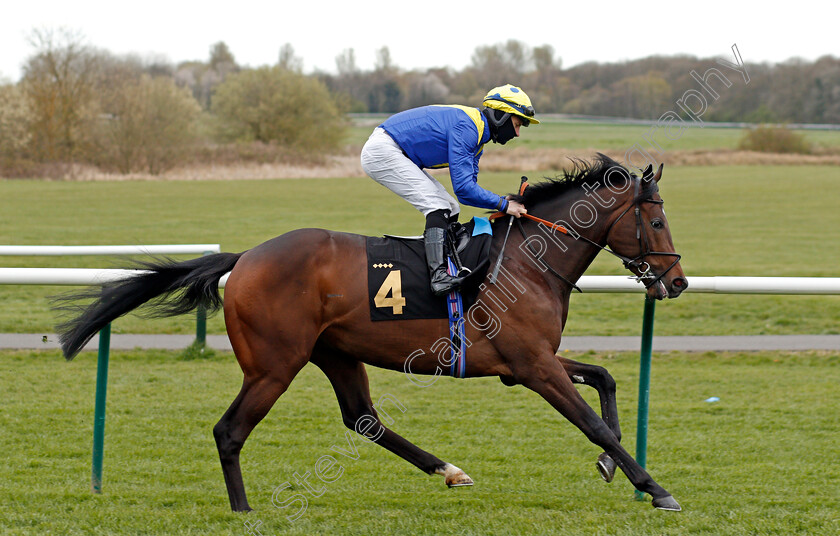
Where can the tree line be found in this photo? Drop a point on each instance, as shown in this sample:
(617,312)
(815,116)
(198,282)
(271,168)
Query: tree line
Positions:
(794,91)
(78,104)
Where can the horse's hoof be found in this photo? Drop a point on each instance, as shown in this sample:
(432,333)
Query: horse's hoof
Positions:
(667,503)
(454,476)
(606,467)
(459,480)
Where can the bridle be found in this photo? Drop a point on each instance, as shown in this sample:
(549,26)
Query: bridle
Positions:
(637,263)
(643,268)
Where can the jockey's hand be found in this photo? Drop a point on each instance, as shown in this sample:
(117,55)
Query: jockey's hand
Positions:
(516,209)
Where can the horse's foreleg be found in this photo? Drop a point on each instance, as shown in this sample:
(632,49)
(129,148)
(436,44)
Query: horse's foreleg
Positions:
(548,378)
(601,380)
(350,382)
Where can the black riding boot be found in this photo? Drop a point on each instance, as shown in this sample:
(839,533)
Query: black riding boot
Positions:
(442,282)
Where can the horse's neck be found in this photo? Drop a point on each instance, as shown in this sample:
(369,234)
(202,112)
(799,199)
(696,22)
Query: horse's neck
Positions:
(579,254)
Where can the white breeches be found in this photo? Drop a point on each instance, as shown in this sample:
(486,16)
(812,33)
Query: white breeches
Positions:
(385,162)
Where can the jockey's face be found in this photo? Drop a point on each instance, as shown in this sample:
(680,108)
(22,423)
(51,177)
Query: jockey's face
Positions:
(517,122)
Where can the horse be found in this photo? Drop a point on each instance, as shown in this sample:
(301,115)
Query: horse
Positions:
(302,297)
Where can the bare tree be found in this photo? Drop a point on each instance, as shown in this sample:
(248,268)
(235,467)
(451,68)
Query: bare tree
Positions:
(59,82)
(345,62)
(288,60)
(383,63)
(426,89)
(203,78)
(544,59)
(499,64)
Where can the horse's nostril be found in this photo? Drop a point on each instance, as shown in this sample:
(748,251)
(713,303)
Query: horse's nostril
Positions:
(680,282)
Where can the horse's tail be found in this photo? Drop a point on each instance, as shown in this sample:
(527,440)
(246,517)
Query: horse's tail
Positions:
(179,288)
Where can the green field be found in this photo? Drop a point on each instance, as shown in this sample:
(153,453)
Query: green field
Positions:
(567,134)
(760,461)
(726,220)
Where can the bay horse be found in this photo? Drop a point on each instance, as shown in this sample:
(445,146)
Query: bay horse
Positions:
(303,297)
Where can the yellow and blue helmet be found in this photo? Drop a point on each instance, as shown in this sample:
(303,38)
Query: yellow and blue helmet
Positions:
(511,100)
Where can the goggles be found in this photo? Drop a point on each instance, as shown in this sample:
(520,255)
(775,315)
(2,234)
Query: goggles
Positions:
(527,111)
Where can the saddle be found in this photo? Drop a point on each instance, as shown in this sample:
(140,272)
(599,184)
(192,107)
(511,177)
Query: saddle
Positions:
(398,280)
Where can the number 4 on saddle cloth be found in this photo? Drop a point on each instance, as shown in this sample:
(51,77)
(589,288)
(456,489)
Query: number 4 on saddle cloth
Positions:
(399,286)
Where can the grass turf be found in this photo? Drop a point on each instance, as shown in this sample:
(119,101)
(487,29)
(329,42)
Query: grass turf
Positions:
(759,461)
(726,220)
(604,136)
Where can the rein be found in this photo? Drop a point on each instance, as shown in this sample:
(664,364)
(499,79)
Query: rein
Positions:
(643,267)
(534,218)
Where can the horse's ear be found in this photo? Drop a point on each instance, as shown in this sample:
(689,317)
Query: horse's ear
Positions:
(658,173)
(648,171)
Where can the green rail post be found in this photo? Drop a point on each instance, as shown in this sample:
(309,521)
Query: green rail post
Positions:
(201,321)
(644,386)
(201,326)
(99,411)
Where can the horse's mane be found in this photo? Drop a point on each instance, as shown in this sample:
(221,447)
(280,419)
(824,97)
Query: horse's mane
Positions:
(582,172)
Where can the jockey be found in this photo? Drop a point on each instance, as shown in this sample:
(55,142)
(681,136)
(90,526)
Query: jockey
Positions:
(400,149)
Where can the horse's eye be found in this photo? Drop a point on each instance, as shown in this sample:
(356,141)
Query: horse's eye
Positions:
(657,224)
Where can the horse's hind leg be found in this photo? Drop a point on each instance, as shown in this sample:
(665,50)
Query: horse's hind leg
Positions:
(250,406)
(350,382)
(267,376)
(601,380)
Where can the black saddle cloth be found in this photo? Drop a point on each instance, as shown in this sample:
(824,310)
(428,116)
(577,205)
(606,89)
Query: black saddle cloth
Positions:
(398,280)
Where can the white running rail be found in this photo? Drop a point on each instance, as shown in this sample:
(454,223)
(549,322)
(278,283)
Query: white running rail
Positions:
(587,283)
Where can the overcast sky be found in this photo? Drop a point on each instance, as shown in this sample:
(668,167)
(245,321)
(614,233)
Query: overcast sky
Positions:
(425,33)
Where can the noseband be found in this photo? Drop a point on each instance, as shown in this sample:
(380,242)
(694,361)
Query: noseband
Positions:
(637,263)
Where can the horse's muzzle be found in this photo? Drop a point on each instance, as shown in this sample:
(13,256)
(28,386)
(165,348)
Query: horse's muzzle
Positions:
(678,285)
(667,289)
